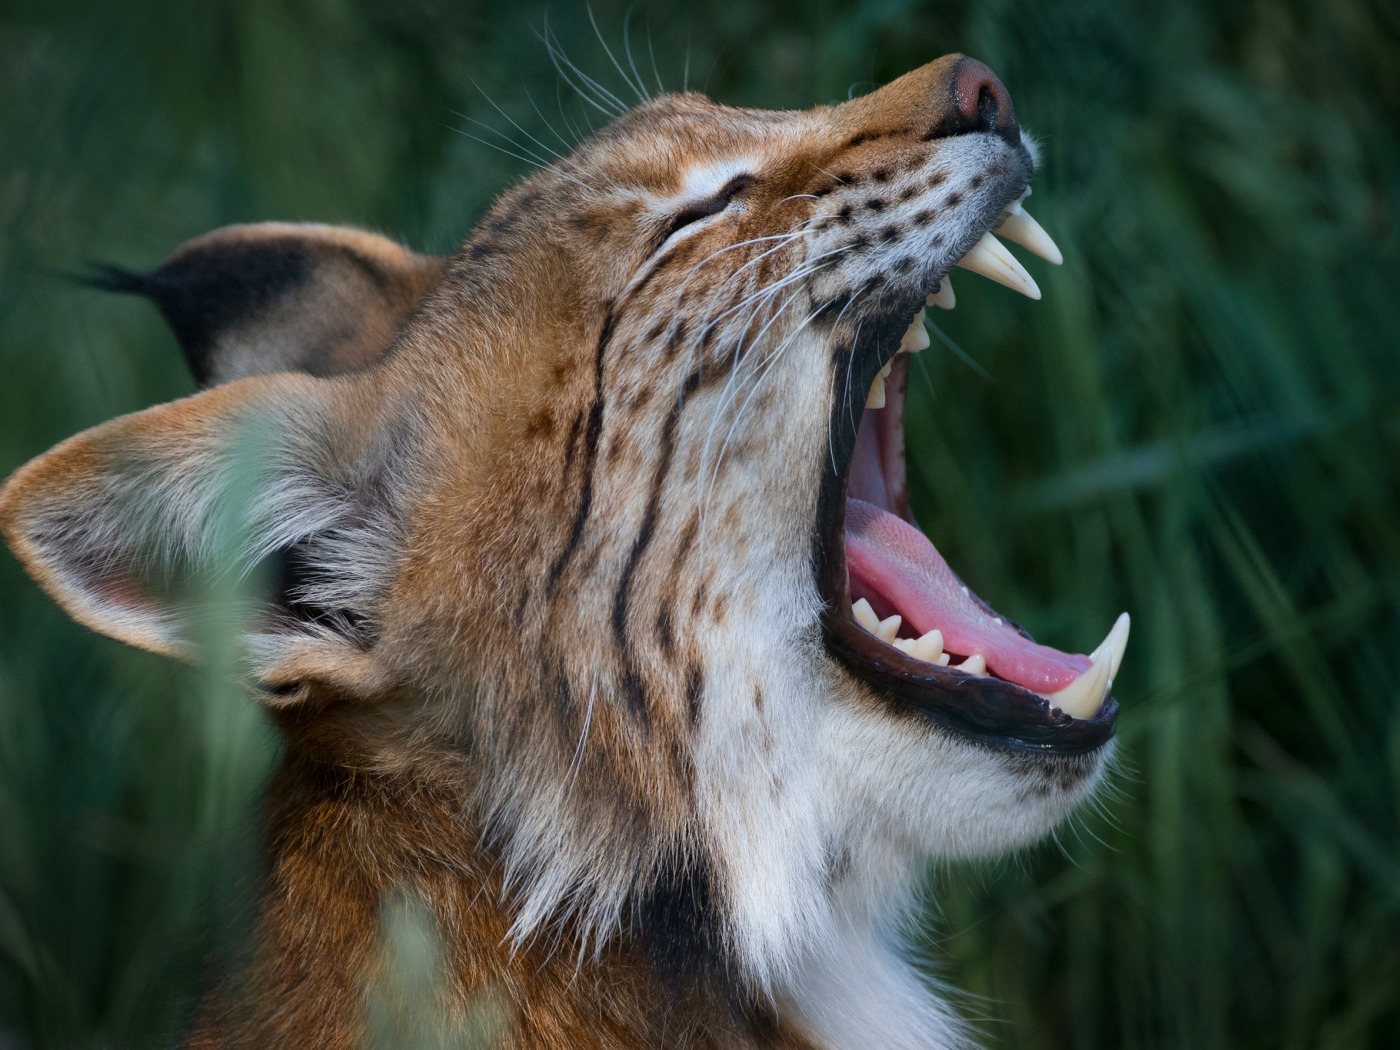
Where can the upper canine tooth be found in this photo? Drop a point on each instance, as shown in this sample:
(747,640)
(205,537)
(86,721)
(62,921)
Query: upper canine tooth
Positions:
(1115,644)
(865,616)
(915,336)
(990,258)
(1018,226)
(887,628)
(944,297)
(1083,697)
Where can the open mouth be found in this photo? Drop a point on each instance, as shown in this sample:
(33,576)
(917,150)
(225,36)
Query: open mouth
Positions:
(900,618)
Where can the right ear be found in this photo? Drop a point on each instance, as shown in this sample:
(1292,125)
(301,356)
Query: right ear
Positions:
(122,522)
(282,297)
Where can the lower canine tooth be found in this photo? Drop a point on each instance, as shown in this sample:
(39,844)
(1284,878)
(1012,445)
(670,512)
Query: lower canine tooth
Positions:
(1083,697)
(974,664)
(990,258)
(1115,643)
(865,616)
(944,298)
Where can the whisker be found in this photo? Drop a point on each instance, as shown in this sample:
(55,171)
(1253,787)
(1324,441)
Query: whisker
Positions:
(765,367)
(552,152)
(605,102)
(545,120)
(685,76)
(641,92)
(661,88)
(521,147)
(559,98)
(627,49)
(526,159)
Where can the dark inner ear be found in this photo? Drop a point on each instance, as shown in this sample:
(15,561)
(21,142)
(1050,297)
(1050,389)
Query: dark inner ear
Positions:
(278,297)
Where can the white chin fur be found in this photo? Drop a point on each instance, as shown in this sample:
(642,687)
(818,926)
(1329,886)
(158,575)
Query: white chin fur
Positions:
(823,813)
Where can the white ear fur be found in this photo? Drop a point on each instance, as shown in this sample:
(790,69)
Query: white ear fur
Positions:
(121,523)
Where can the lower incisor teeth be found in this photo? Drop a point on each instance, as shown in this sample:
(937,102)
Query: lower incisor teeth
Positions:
(928,648)
(974,664)
(888,628)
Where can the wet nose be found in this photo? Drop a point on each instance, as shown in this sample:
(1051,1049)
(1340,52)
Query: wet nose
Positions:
(982,101)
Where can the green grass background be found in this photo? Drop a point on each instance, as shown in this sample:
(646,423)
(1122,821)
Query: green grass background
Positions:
(1200,423)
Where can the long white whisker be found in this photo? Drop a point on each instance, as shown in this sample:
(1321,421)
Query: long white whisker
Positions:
(494,105)
(545,120)
(559,98)
(802,271)
(660,87)
(656,259)
(605,101)
(685,76)
(767,363)
(527,159)
(627,49)
(641,93)
(520,147)
(765,367)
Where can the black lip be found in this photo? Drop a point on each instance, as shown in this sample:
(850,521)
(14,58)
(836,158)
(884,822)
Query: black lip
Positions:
(988,711)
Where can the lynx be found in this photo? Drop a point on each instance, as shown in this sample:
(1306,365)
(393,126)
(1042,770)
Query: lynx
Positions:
(596,618)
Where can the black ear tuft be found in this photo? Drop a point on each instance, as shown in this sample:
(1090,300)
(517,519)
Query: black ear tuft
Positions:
(277,297)
(205,296)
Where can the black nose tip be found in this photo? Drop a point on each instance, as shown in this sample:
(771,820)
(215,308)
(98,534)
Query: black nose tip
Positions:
(982,101)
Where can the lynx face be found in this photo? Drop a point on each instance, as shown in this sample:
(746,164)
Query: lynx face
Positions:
(584,541)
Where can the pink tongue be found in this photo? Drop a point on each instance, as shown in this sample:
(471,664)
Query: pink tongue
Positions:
(894,567)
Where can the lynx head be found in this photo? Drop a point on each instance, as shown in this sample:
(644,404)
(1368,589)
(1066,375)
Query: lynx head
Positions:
(574,520)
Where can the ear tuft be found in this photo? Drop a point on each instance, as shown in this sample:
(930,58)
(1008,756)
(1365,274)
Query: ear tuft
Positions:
(281,297)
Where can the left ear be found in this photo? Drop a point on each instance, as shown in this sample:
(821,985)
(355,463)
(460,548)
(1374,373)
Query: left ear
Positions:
(120,522)
(282,297)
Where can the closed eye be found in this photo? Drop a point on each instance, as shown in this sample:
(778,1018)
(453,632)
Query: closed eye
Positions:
(711,205)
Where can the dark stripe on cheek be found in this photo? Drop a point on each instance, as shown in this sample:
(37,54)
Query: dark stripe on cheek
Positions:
(644,534)
(590,457)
